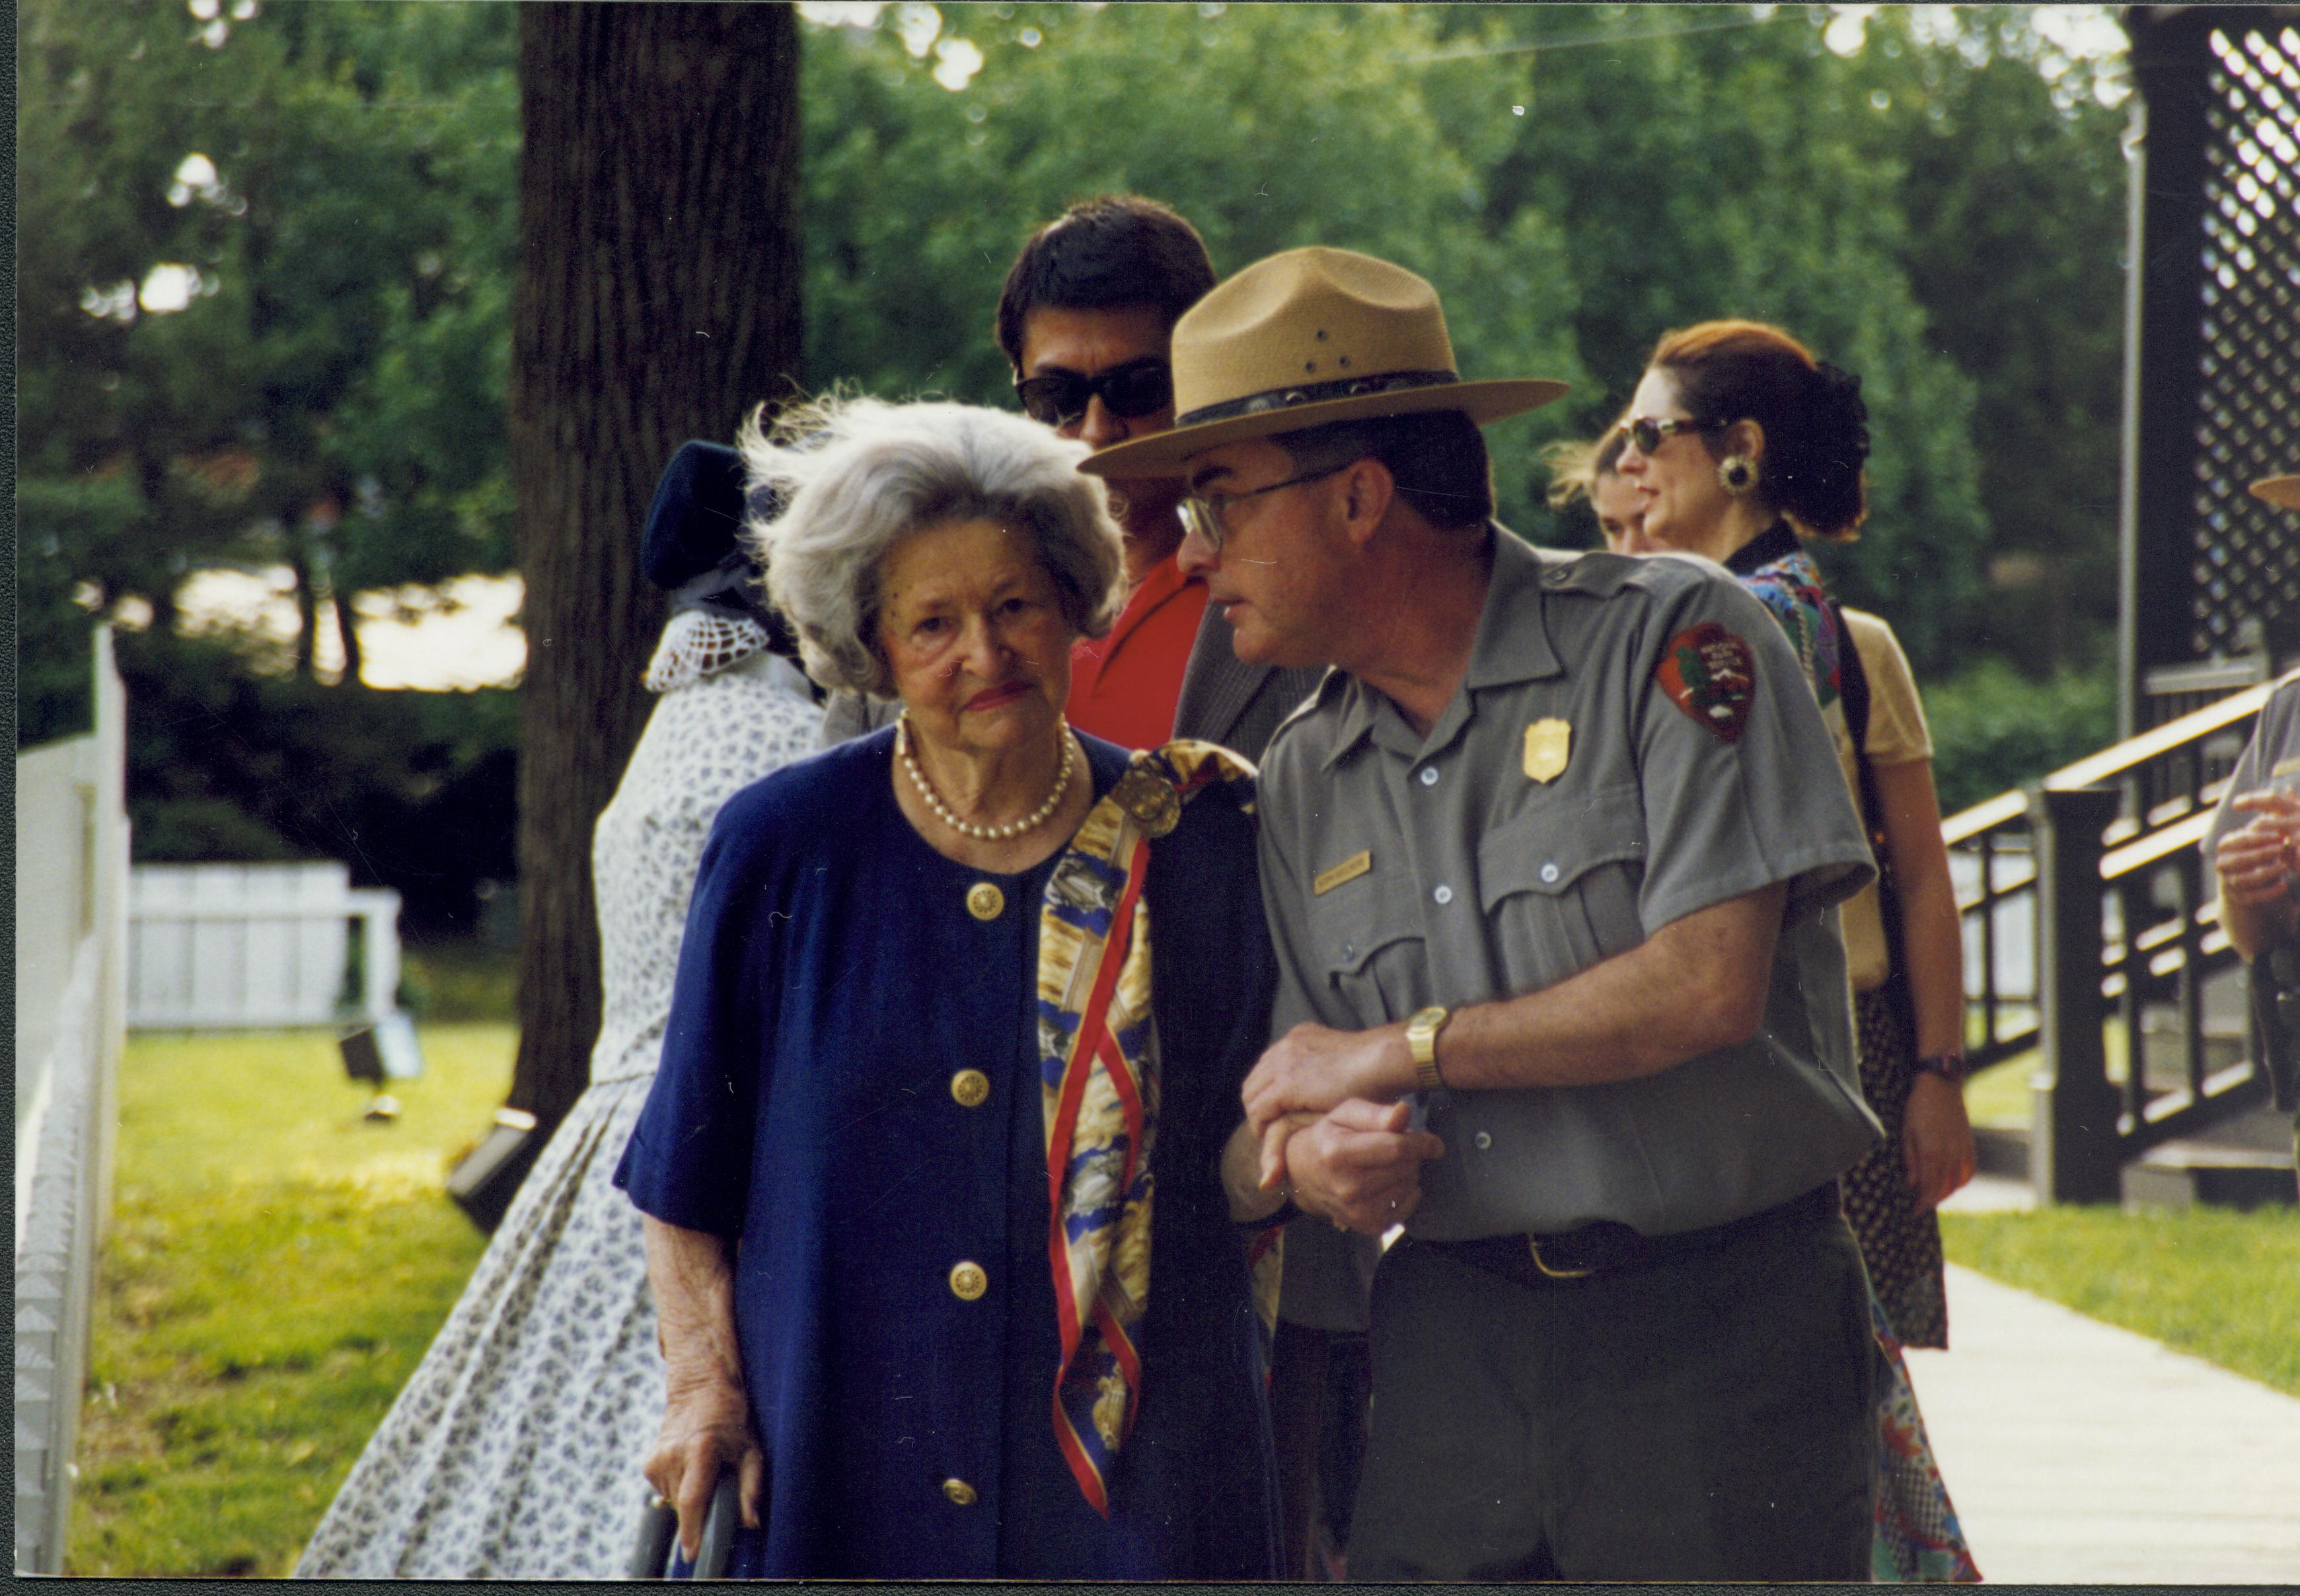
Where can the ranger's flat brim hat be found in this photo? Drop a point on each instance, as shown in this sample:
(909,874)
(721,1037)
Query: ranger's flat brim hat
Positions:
(1304,338)
(2279,490)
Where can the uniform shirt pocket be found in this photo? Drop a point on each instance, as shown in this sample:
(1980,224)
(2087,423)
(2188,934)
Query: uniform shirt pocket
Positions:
(1367,937)
(1558,883)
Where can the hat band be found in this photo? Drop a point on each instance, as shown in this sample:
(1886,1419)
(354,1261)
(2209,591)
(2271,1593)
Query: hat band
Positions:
(1313,393)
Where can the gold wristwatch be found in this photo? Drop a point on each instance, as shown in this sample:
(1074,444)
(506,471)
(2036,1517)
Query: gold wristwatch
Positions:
(1422,1041)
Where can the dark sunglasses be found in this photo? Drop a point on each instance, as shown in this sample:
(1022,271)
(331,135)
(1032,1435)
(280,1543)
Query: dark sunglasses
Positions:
(1649,435)
(1135,390)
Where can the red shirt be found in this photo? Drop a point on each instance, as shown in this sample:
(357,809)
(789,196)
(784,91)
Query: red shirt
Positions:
(1123,687)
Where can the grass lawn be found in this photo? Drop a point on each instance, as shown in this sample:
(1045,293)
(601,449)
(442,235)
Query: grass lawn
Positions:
(2208,1281)
(276,1267)
(2001,1094)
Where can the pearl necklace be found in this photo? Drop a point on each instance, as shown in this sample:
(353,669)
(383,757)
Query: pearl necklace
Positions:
(989,833)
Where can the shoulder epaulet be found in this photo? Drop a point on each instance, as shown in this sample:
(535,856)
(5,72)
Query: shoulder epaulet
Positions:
(1593,572)
(1329,685)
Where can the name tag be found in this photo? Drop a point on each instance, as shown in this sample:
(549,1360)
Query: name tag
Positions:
(1349,870)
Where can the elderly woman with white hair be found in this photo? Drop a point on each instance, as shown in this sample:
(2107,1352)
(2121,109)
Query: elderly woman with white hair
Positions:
(957,1000)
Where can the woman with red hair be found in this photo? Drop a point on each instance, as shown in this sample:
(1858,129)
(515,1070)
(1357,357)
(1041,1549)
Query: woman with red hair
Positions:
(1741,445)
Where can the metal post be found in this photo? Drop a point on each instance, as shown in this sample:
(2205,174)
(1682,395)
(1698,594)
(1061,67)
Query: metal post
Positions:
(2072,1145)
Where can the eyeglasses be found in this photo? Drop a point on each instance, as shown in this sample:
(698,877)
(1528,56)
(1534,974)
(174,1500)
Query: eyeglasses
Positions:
(1135,390)
(1648,433)
(1203,513)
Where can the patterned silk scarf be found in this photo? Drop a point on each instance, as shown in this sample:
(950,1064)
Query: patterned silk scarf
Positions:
(1098,1070)
(1784,578)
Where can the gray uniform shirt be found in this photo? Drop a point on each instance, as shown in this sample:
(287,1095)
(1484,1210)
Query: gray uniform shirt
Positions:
(1563,807)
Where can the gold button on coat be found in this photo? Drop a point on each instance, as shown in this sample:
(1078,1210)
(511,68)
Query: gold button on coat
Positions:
(985,901)
(968,1281)
(959,1492)
(971,1087)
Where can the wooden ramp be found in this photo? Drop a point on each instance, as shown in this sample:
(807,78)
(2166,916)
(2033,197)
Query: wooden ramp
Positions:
(2077,1452)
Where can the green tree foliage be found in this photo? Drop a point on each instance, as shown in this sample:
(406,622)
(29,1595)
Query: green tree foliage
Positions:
(1993,728)
(1268,126)
(1576,180)
(2015,197)
(265,263)
(1717,163)
(1937,204)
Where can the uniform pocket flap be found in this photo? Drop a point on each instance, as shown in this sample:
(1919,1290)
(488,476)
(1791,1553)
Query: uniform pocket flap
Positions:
(1348,949)
(1548,847)
(1349,924)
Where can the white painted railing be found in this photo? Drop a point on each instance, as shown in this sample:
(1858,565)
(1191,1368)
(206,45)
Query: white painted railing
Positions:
(250,946)
(71,869)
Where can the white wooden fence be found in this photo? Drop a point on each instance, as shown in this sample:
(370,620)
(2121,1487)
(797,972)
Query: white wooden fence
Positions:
(71,868)
(249,946)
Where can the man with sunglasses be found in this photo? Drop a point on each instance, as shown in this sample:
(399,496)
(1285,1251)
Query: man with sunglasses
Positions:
(1086,317)
(1551,861)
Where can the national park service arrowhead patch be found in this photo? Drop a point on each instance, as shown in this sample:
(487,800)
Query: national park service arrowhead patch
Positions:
(1710,675)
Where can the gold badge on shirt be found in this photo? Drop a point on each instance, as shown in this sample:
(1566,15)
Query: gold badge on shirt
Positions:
(1548,743)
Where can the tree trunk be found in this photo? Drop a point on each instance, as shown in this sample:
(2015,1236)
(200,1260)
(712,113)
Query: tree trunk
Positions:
(348,627)
(657,300)
(301,562)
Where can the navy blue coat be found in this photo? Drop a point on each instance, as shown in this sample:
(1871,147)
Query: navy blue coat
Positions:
(831,986)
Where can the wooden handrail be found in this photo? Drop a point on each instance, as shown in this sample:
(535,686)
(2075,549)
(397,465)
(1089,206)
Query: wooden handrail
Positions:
(2137,750)
(2094,768)
(2155,846)
(1986,816)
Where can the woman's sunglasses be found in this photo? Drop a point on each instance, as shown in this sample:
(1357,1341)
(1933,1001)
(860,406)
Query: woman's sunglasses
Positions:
(1649,435)
(1135,390)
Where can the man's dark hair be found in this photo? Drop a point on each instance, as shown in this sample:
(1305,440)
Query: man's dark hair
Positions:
(1107,253)
(1438,458)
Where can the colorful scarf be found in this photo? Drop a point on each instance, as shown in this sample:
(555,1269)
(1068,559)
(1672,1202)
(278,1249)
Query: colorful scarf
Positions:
(1098,1070)
(1786,581)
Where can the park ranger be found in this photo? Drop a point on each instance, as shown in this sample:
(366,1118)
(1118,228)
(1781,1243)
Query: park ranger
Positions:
(2253,846)
(1551,860)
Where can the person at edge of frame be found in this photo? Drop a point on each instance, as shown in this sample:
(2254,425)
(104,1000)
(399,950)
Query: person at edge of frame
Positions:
(2256,864)
(1551,869)
(1086,319)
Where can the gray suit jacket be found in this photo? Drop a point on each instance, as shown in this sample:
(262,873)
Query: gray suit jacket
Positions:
(1224,700)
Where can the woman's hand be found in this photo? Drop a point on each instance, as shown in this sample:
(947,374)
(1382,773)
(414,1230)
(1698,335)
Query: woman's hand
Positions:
(706,1421)
(706,1425)
(1936,1151)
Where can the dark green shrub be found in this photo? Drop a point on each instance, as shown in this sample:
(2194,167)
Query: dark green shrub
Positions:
(414,791)
(1994,728)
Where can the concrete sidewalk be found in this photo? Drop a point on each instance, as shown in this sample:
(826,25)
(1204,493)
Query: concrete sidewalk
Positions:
(2076,1451)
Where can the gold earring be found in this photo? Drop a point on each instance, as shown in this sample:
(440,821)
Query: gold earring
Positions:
(1737,474)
